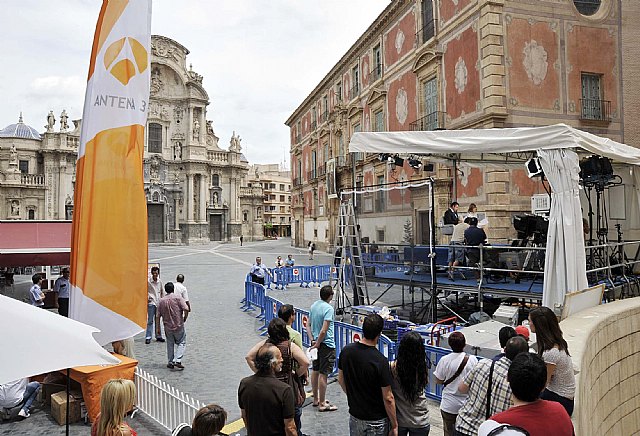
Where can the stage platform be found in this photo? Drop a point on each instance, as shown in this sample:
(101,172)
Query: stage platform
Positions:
(504,289)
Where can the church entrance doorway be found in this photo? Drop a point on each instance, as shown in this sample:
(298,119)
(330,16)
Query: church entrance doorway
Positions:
(155,221)
(215,227)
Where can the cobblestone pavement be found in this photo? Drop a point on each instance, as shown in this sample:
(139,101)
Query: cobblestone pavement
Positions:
(218,336)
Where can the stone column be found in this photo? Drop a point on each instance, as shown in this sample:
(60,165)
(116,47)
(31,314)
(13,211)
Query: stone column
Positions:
(203,127)
(176,211)
(189,129)
(234,202)
(203,199)
(189,195)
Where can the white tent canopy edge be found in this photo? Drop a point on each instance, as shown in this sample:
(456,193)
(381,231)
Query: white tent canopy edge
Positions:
(565,262)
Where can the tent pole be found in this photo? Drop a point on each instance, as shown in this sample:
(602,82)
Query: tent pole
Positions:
(434,283)
(455,180)
(67,409)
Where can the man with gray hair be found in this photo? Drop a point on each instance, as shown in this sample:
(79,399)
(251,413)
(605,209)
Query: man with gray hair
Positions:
(266,403)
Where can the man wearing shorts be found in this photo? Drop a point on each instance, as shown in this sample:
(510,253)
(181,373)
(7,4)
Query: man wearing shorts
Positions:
(320,331)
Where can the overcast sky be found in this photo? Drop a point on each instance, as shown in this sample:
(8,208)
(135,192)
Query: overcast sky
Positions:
(259,58)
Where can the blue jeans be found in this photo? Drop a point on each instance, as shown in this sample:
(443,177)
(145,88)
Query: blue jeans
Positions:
(360,427)
(151,317)
(30,395)
(298,420)
(178,339)
(418,431)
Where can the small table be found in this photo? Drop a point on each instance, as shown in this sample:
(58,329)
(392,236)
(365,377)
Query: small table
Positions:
(92,378)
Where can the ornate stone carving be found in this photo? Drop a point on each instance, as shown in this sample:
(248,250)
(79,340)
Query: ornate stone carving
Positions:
(51,121)
(64,126)
(399,41)
(154,168)
(196,130)
(15,208)
(234,144)
(163,49)
(178,113)
(156,82)
(535,62)
(461,75)
(178,151)
(402,106)
(13,155)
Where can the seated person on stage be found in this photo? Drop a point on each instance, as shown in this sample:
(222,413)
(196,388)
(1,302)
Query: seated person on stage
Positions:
(456,254)
(473,237)
(451,214)
(527,378)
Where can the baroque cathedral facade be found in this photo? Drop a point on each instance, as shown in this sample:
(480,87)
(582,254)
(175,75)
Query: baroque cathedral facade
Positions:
(196,190)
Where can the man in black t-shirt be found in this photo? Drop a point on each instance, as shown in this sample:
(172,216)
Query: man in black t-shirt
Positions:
(365,377)
(266,403)
(474,236)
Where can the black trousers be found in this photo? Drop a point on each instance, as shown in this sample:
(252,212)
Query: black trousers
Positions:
(63,306)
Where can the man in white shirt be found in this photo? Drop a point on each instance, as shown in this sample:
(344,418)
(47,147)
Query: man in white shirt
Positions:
(181,289)
(451,370)
(155,291)
(19,392)
(36,296)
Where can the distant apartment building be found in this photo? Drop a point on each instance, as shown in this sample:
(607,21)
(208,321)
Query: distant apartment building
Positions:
(456,64)
(276,185)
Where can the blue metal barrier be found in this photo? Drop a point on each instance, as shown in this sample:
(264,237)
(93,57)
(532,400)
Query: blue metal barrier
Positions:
(271,307)
(254,295)
(300,325)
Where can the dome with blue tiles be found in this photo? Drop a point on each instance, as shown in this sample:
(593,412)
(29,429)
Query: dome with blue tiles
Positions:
(20,130)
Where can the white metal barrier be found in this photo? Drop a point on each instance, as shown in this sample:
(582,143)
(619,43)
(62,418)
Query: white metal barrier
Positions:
(163,403)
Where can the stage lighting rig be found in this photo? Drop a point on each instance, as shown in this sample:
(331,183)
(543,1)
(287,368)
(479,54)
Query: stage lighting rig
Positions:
(531,226)
(385,157)
(415,163)
(534,169)
(597,171)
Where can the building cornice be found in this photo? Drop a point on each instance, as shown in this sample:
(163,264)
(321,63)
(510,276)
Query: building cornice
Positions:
(372,32)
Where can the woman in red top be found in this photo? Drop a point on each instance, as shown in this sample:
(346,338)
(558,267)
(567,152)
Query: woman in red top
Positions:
(116,400)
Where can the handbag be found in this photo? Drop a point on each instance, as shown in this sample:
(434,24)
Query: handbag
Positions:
(296,384)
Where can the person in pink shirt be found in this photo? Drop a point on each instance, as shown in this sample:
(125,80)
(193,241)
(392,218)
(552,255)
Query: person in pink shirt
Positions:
(174,312)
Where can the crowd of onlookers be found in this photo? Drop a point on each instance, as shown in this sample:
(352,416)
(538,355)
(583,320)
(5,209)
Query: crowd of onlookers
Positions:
(516,392)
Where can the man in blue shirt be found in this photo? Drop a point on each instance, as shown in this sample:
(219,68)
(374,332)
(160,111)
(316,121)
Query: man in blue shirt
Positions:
(36,296)
(258,271)
(320,331)
(290,262)
(62,287)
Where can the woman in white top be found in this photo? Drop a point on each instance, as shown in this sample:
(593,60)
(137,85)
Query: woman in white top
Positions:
(561,381)
(409,379)
(451,370)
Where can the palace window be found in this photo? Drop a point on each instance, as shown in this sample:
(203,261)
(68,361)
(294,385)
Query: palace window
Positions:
(23,165)
(587,7)
(155,138)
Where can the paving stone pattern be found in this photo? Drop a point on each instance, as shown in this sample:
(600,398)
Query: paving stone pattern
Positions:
(219,335)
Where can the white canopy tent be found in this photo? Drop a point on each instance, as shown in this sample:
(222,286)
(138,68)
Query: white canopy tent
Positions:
(556,146)
(39,341)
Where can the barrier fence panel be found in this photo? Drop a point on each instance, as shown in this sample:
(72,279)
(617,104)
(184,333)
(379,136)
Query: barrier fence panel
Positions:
(163,403)
(300,325)
(434,354)
(271,307)
(254,297)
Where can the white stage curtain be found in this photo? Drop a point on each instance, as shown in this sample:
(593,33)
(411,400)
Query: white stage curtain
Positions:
(565,267)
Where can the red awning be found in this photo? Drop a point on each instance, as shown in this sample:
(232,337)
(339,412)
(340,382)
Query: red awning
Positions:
(35,243)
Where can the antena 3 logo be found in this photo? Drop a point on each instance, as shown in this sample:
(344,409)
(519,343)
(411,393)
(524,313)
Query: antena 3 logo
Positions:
(119,65)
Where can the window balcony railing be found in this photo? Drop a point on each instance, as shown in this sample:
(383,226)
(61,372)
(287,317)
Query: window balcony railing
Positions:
(312,175)
(376,73)
(322,170)
(427,32)
(297,181)
(433,121)
(343,161)
(595,110)
(298,138)
(324,116)
(314,125)
(355,91)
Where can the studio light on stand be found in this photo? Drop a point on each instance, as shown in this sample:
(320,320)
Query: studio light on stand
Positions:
(534,169)
(415,163)
(396,160)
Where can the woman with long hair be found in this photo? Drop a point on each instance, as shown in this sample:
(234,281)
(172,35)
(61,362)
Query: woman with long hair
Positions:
(472,211)
(561,381)
(409,379)
(294,361)
(116,399)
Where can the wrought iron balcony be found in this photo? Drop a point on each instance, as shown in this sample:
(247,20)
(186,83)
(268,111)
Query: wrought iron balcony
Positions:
(343,161)
(433,121)
(324,116)
(322,170)
(376,73)
(312,175)
(595,110)
(297,181)
(427,32)
(314,125)
(355,91)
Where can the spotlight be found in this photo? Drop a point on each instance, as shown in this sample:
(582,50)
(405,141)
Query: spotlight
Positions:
(415,164)
(596,169)
(397,161)
(534,168)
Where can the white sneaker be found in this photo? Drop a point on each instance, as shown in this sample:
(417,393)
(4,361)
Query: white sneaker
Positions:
(23,413)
